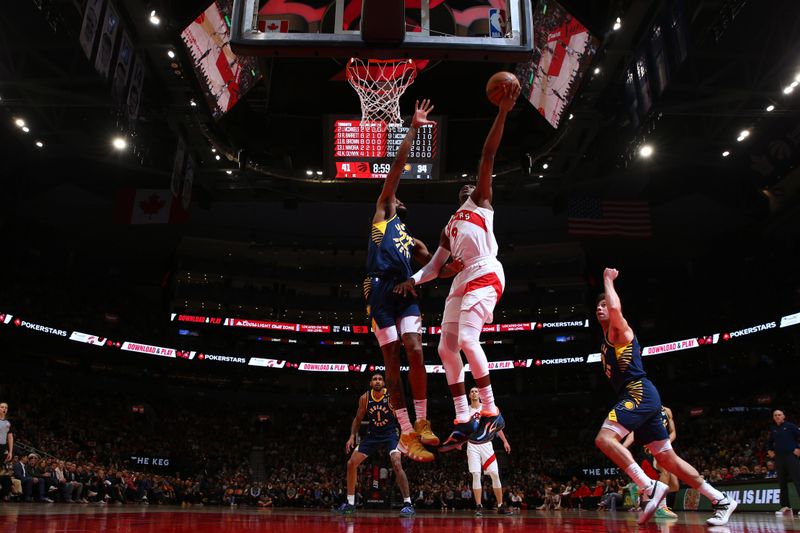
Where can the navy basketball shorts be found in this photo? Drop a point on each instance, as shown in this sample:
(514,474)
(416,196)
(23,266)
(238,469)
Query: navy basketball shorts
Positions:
(638,410)
(372,443)
(385,307)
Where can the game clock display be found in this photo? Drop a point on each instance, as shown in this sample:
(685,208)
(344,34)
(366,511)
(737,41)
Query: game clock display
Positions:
(366,150)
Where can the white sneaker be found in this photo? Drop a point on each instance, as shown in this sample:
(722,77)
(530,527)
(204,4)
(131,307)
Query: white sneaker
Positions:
(722,512)
(657,493)
(783,511)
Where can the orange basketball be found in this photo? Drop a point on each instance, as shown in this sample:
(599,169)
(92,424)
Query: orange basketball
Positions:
(494,87)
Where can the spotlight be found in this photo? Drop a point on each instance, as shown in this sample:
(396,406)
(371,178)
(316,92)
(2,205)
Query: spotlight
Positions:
(463,175)
(646,150)
(19,122)
(119,143)
(229,172)
(570,116)
(154,20)
(26,129)
(788,90)
(726,153)
(770,107)
(541,176)
(794,84)
(217,157)
(39,144)
(319,173)
(213,150)
(171,54)
(744,134)
(192,103)
(309,172)
(617,24)
(545,166)
(597,70)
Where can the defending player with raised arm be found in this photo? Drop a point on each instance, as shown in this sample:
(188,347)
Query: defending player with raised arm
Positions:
(382,433)
(639,409)
(469,238)
(395,317)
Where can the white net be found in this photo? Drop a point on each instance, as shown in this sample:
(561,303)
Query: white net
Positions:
(380,83)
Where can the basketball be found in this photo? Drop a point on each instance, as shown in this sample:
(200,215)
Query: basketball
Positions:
(494,87)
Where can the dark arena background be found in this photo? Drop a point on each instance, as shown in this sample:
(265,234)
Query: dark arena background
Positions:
(186,193)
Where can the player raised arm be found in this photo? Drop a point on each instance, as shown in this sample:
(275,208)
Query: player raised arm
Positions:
(619,332)
(423,256)
(482,195)
(386,204)
(362,410)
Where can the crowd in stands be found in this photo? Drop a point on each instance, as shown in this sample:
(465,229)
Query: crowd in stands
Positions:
(75,445)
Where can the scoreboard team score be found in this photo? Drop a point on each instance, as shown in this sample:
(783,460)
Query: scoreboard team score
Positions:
(366,150)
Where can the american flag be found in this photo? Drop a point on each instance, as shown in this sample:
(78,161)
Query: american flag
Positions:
(592,216)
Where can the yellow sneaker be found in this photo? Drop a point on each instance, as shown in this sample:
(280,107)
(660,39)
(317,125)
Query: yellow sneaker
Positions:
(423,428)
(413,448)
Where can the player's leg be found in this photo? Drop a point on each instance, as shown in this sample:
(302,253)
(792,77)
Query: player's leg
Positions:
(490,466)
(410,326)
(474,465)
(671,481)
(356,458)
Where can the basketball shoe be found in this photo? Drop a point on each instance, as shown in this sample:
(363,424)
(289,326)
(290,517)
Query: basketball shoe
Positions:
(489,425)
(656,493)
(460,435)
(423,428)
(411,446)
(722,512)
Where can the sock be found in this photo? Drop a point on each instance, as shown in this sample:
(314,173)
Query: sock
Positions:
(421,409)
(462,408)
(639,477)
(710,492)
(351,499)
(405,423)
(407,500)
(487,399)
(663,504)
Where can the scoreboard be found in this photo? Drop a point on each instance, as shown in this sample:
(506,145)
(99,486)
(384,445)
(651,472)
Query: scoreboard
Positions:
(365,150)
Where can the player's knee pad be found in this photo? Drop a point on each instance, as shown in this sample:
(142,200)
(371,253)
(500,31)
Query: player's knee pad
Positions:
(450,355)
(495,479)
(386,335)
(476,480)
(659,446)
(469,342)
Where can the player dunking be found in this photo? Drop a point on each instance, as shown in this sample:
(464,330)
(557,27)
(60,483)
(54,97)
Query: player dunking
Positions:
(383,433)
(656,471)
(481,458)
(639,409)
(469,237)
(389,262)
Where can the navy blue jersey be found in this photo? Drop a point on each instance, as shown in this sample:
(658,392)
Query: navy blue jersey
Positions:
(389,250)
(622,364)
(381,417)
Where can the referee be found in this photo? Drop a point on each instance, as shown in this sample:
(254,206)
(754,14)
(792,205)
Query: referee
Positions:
(783,447)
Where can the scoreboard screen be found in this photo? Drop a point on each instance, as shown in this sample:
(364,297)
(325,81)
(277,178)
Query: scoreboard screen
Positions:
(365,150)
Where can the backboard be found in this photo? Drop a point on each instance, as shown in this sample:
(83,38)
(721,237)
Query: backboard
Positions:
(470,30)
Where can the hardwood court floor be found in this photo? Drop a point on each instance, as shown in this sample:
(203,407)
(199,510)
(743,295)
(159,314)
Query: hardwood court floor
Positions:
(60,518)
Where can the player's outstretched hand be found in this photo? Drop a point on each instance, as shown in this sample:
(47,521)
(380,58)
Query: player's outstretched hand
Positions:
(405,288)
(421,111)
(510,95)
(351,442)
(610,274)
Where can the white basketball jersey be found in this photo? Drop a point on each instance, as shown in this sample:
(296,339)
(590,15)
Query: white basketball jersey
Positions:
(471,233)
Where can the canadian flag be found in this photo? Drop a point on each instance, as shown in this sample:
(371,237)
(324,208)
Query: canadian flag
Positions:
(273,26)
(148,206)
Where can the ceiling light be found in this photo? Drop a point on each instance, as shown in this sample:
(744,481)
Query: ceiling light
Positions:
(213,150)
(39,144)
(119,143)
(217,157)
(646,150)
(463,175)
(770,107)
(309,172)
(597,70)
(743,135)
(319,173)
(617,24)
(541,176)
(726,153)
(192,103)
(788,90)
(19,122)
(794,84)
(170,54)
(26,129)
(545,166)
(570,116)
(154,20)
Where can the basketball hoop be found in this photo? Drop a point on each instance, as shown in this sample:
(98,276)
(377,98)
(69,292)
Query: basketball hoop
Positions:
(380,83)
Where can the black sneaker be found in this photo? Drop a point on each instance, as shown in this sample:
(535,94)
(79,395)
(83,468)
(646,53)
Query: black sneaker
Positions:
(488,428)
(479,510)
(461,433)
(504,510)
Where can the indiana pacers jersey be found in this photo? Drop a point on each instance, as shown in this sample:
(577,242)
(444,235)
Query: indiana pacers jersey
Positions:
(389,250)
(623,365)
(381,417)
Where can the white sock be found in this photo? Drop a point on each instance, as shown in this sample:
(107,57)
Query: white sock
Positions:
(710,492)
(407,500)
(421,409)
(405,423)
(462,408)
(639,477)
(487,399)
(351,499)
